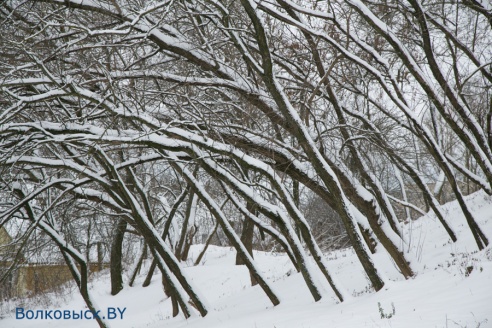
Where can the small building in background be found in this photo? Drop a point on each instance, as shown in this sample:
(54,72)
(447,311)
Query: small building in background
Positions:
(31,275)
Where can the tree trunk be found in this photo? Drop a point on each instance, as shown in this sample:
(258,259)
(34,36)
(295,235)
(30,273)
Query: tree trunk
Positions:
(189,215)
(247,236)
(149,275)
(136,271)
(207,243)
(116,266)
(229,232)
(99,256)
(188,242)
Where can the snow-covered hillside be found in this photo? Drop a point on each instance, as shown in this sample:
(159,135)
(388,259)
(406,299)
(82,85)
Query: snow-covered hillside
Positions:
(452,288)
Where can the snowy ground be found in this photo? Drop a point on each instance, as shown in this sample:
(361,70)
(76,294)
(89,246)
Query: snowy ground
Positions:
(443,294)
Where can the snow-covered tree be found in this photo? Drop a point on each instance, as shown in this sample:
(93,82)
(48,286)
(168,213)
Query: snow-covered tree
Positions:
(135,109)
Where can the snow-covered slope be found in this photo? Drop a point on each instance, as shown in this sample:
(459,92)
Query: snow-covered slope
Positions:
(452,288)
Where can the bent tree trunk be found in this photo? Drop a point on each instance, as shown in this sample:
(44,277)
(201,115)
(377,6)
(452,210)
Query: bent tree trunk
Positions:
(300,132)
(165,233)
(229,232)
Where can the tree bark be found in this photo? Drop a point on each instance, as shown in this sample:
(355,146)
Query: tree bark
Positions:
(116,265)
(247,235)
